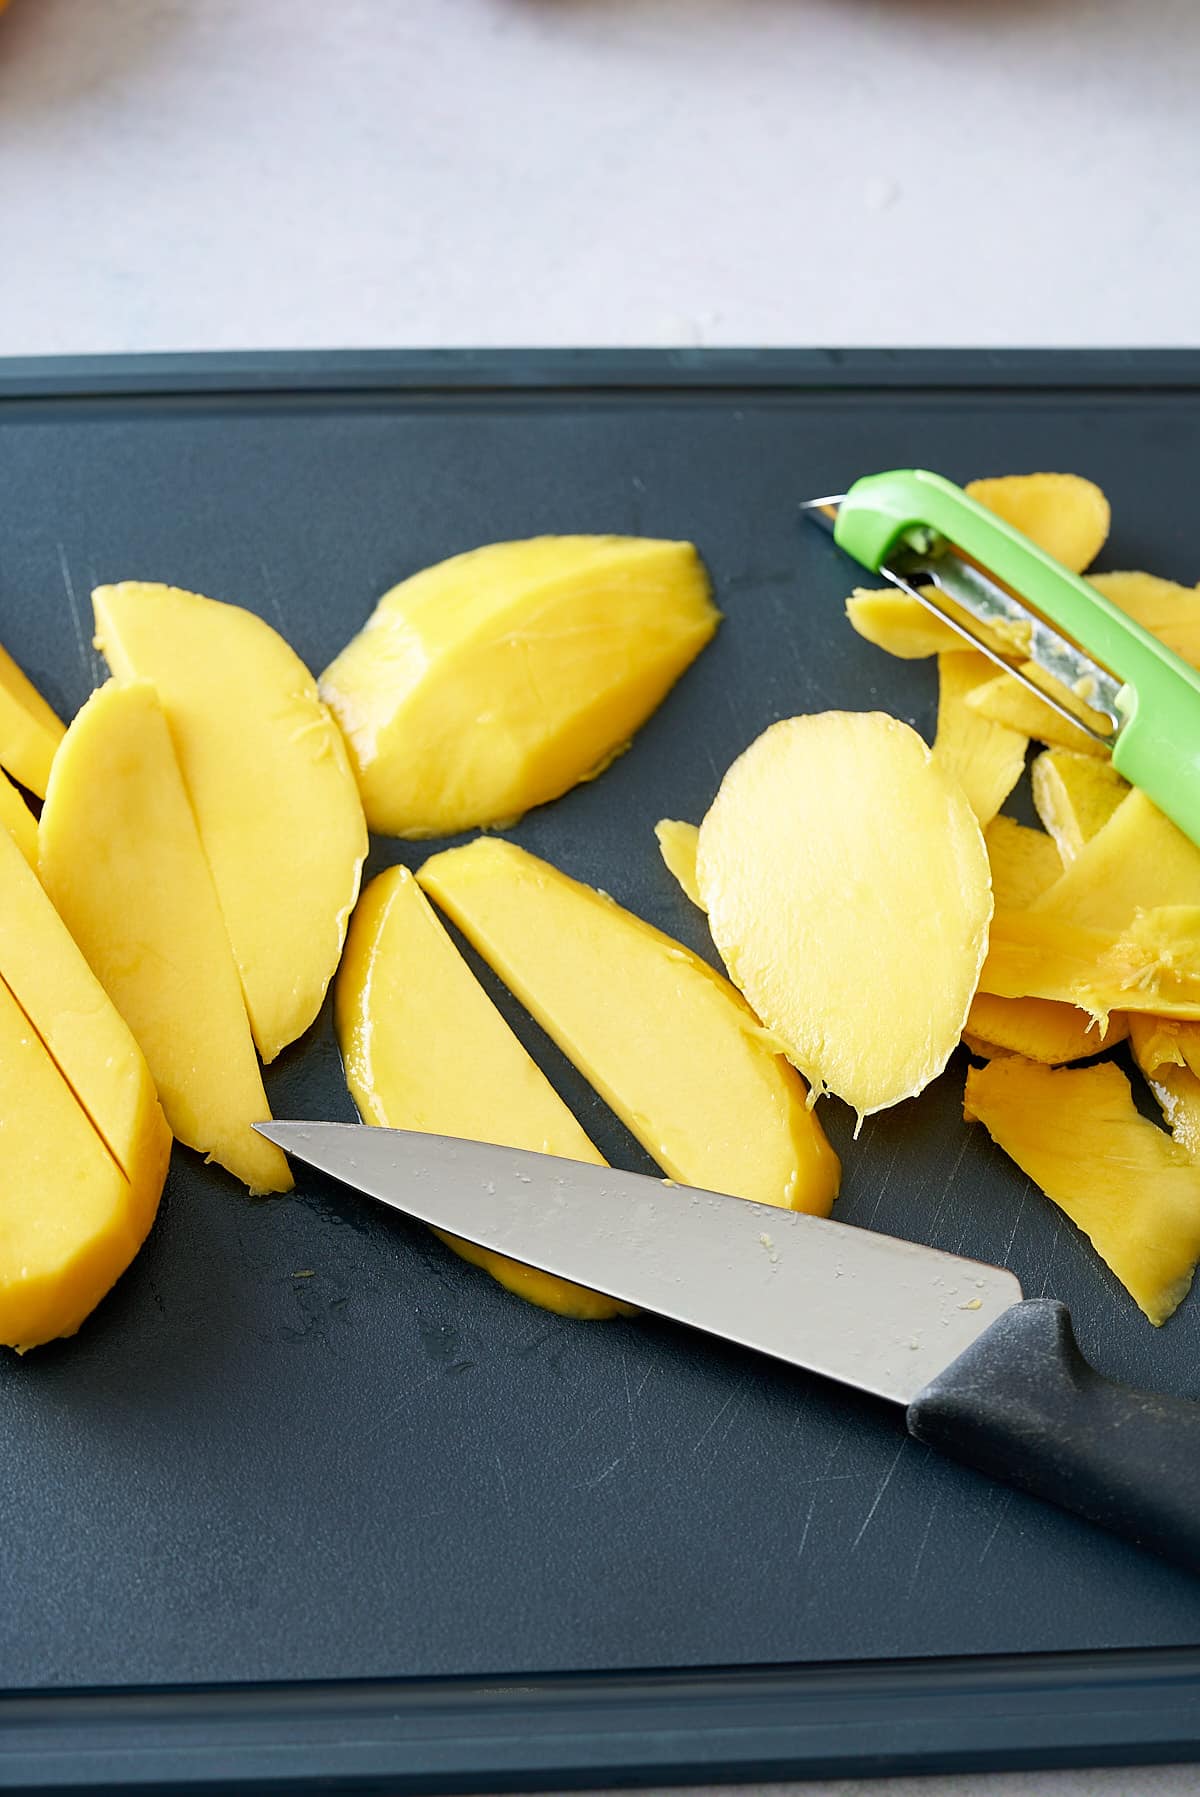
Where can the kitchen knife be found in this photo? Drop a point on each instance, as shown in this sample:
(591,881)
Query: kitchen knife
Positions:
(984,1375)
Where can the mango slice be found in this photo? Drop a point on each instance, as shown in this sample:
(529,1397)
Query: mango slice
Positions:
(269,781)
(498,680)
(1005,701)
(1168,611)
(1075,795)
(120,857)
(18,820)
(667,1043)
(1177,1092)
(909,630)
(1064,514)
(848,892)
(70,1221)
(89,1042)
(1152,966)
(987,759)
(678,844)
(1135,1194)
(425,1048)
(1024,862)
(1040,1029)
(30,731)
(1161,1043)
(1138,860)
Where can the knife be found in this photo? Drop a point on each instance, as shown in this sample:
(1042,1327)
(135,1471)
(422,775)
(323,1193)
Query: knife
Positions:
(984,1375)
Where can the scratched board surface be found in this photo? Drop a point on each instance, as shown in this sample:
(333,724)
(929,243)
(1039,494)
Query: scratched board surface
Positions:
(302,1439)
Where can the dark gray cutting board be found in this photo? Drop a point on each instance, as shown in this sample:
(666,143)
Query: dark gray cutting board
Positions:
(393,1467)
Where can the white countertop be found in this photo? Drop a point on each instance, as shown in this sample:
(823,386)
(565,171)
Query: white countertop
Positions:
(286,173)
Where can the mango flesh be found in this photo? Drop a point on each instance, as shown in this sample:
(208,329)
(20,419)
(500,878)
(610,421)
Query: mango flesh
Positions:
(1075,795)
(666,1042)
(848,891)
(678,844)
(1005,701)
(1162,1043)
(30,731)
(425,1048)
(1135,1194)
(1138,860)
(1168,611)
(1041,1029)
(987,759)
(121,859)
(1153,966)
(18,820)
(1064,514)
(267,776)
(498,680)
(1024,862)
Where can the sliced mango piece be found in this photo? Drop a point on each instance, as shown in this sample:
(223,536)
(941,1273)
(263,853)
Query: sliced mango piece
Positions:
(1160,1043)
(425,1048)
(1025,863)
(1168,611)
(1038,1028)
(1075,796)
(1064,514)
(91,1045)
(677,844)
(840,859)
(1138,860)
(1005,701)
(120,857)
(1177,1093)
(30,731)
(987,759)
(18,820)
(1152,966)
(1133,1192)
(267,774)
(497,680)
(668,1044)
(894,621)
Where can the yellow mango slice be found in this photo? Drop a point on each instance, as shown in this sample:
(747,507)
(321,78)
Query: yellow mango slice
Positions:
(1064,514)
(269,781)
(1138,860)
(1133,1192)
(70,1221)
(498,680)
(1168,611)
(1177,1092)
(1152,966)
(667,1043)
(1024,862)
(30,731)
(677,844)
(1161,1043)
(120,857)
(18,820)
(425,1048)
(848,891)
(1041,1029)
(987,759)
(91,1045)
(1005,701)
(1075,796)
(905,628)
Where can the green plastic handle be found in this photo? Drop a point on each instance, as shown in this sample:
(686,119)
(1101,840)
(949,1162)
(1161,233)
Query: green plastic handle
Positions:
(1158,744)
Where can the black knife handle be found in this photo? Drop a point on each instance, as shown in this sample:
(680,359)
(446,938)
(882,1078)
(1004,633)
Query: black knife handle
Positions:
(1024,1406)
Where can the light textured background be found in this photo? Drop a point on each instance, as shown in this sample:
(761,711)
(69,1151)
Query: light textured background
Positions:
(180,174)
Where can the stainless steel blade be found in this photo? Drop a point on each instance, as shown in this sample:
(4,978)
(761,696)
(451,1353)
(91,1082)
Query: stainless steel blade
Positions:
(866,1309)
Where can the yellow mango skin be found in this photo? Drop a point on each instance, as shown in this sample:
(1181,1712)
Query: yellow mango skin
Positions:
(678,844)
(425,1048)
(498,680)
(1168,611)
(268,777)
(1024,862)
(666,1042)
(987,759)
(70,1221)
(1040,1029)
(1151,967)
(1005,701)
(91,1045)
(120,856)
(30,731)
(1075,795)
(1064,514)
(1138,860)
(848,891)
(18,820)
(1133,1191)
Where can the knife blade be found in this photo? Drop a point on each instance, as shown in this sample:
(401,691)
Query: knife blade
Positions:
(984,1375)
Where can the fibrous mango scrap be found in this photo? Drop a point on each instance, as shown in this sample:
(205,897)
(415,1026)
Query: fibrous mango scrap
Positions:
(1006,701)
(425,1048)
(987,759)
(677,844)
(1152,966)
(1160,1043)
(30,731)
(1168,611)
(497,680)
(1024,862)
(1041,1029)
(1075,795)
(18,820)
(1133,1191)
(1137,861)
(666,1042)
(848,892)
(1064,514)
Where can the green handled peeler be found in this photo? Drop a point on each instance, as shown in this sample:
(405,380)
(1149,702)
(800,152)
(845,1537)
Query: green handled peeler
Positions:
(909,525)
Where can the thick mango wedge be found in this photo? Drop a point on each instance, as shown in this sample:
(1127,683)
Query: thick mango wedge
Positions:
(1064,514)
(1038,1028)
(498,680)
(1134,1193)
(30,731)
(1153,966)
(1138,860)
(269,781)
(1167,611)
(120,857)
(18,820)
(677,844)
(667,1043)
(848,891)
(1075,796)
(425,1048)
(987,759)
(1024,862)
(1005,701)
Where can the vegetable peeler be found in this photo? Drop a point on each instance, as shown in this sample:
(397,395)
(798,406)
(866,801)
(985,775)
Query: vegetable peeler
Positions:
(1142,700)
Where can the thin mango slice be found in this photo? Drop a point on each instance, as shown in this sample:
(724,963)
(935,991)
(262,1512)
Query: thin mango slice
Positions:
(1152,966)
(1075,795)
(498,680)
(1161,1043)
(987,759)
(18,820)
(1040,1029)
(268,778)
(1024,862)
(425,1048)
(1005,701)
(30,730)
(1138,860)
(848,892)
(1177,1093)
(1064,514)
(1135,1194)
(901,625)
(121,859)
(666,1042)
(677,844)
(1168,611)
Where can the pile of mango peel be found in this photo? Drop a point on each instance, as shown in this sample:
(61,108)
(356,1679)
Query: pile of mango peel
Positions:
(179,888)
